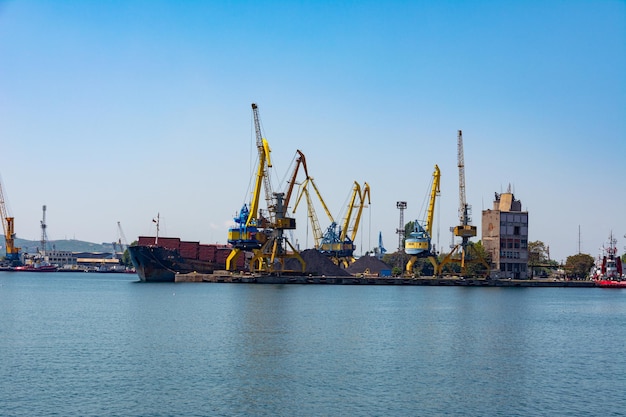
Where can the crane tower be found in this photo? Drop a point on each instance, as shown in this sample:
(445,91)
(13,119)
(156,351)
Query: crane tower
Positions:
(401,205)
(464,230)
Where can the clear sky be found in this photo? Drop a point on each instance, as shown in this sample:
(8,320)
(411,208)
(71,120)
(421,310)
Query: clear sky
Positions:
(118,110)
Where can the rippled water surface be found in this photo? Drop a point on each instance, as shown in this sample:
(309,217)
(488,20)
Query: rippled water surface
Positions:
(104,344)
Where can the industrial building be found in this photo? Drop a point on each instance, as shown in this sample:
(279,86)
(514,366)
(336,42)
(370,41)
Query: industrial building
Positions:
(505,237)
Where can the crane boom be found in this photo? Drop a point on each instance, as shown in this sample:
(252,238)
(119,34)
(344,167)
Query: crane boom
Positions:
(300,161)
(434,192)
(263,147)
(315,224)
(365,191)
(304,190)
(123,242)
(319,196)
(264,163)
(356,191)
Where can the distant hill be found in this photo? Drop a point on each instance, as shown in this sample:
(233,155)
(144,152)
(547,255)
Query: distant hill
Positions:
(71,245)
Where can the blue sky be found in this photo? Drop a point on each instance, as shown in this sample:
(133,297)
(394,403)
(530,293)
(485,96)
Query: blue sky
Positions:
(114,111)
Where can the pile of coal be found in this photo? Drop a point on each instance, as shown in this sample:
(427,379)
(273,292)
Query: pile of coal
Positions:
(316,264)
(368,263)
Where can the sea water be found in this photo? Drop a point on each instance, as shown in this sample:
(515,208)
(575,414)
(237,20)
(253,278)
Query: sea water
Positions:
(105,344)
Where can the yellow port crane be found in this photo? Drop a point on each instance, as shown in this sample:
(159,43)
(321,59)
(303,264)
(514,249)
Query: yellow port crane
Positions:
(254,232)
(464,230)
(418,244)
(12,252)
(337,244)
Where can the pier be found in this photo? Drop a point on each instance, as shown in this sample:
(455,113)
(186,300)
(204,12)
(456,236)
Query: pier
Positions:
(363,280)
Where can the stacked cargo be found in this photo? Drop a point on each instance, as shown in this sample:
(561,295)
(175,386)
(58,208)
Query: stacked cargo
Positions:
(189,250)
(221,253)
(163,242)
(207,252)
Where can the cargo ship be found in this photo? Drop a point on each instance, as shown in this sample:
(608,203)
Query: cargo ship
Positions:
(160,259)
(607,272)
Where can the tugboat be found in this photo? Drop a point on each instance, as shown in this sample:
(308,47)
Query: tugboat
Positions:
(608,272)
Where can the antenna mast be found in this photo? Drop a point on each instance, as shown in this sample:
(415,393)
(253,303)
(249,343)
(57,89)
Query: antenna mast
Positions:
(401,205)
(44,236)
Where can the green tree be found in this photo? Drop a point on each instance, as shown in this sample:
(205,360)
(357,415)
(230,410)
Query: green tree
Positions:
(126,259)
(537,253)
(539,260)
(396,259)
(477,252)
(578,266)
(126,256)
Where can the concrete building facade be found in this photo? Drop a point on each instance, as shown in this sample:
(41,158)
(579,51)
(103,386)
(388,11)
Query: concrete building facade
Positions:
(505,237)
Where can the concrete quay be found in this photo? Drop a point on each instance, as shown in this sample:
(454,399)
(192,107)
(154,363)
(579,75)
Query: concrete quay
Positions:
(225,277)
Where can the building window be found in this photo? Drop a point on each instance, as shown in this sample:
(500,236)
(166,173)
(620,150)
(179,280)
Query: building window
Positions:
(516,230)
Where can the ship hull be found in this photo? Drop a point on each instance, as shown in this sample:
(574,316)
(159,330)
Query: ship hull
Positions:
(158,264)
(606,283)
(31,268)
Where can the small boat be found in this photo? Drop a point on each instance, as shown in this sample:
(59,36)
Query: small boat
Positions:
(610,284)
(35,268)
(608,272)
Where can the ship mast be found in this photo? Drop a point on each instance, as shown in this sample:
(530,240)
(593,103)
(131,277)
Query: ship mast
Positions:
(157,220)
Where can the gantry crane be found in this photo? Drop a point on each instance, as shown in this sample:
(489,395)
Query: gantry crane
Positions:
(254,232)
(464,230)
(8,224)
(419,244)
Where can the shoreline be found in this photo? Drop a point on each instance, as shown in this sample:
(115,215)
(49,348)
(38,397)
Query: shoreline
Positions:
(218,277)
